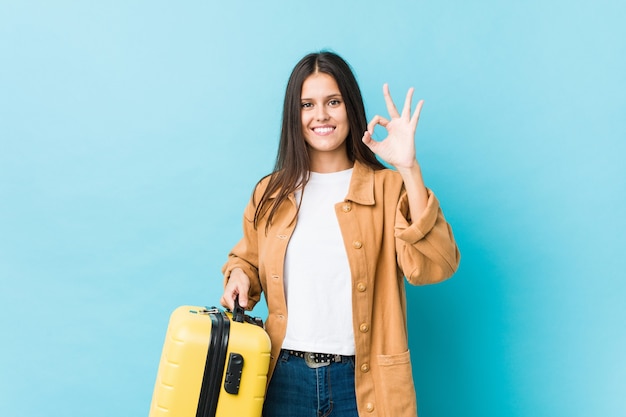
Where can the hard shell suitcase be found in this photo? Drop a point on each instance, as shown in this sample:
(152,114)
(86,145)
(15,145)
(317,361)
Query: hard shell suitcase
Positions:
(214,364)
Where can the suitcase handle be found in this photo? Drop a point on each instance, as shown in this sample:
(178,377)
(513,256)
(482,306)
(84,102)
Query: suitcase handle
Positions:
(238,312)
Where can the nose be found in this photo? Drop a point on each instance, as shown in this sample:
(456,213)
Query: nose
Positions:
(320,113)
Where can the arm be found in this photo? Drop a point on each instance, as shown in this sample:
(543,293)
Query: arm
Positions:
(241,277)
(426,249)
(425,244)
(398,149)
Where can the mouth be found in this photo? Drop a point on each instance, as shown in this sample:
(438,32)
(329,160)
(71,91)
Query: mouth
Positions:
(323,130)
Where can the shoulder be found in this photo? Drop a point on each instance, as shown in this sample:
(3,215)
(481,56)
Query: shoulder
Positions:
(369,185)
(384,174)
(387,175)
(387,178)
(389,185)
(261,187)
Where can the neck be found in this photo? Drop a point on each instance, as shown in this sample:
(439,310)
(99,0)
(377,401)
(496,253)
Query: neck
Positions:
(324,162)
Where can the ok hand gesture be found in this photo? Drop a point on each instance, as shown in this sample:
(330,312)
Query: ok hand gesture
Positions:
(398,148)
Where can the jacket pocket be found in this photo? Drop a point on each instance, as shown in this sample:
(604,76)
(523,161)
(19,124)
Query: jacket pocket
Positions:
(394,385)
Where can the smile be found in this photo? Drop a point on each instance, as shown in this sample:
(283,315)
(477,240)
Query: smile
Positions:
(325,130)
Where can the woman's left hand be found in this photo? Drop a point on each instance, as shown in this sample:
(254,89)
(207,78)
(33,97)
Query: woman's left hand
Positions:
(398,148)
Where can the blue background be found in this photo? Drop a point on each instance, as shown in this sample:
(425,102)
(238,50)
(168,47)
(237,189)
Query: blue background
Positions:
(132,132)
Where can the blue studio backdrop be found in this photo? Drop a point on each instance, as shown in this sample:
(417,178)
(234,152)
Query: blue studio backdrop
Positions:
(132,133)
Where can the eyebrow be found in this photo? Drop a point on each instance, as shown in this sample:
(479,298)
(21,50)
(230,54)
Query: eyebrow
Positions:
(338,95)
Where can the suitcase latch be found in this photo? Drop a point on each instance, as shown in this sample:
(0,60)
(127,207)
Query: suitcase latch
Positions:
(233,373)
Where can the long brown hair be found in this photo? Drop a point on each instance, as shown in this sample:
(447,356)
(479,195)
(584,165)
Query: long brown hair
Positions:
(292,167)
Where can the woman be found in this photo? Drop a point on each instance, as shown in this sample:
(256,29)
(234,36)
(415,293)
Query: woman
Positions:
(329,237)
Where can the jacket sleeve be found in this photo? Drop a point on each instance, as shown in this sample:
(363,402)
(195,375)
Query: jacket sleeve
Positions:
(426,249)
(245,255)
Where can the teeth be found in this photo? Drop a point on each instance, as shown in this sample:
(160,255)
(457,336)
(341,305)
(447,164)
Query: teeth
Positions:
(323,129)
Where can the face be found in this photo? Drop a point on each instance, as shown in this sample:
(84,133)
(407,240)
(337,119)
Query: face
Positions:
(324,118)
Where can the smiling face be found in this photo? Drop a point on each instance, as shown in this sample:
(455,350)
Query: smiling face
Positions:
(324,123)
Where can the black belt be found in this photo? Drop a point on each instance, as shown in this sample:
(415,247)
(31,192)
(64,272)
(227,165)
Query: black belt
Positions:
(315,360)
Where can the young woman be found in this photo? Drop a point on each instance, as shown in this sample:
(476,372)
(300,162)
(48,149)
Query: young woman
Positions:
(329,237)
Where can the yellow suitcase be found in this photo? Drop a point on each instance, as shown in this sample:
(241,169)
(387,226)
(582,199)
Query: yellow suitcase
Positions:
(214,364)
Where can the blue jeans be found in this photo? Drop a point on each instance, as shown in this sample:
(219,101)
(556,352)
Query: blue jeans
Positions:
(296,390)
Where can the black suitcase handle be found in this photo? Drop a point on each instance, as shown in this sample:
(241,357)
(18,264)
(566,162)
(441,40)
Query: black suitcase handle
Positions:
(238,312)
(240,316)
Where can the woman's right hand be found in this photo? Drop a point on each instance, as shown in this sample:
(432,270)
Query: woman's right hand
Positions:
(238,285)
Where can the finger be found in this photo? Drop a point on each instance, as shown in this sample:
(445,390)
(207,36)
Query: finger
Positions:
(243,299)
(416,114)
(233,291)
(228,299)
(406,110)
(369,142)
(367,138)
(391,107)
(227,302)
(376,120)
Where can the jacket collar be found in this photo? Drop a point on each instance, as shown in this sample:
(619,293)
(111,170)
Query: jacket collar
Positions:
(361,189)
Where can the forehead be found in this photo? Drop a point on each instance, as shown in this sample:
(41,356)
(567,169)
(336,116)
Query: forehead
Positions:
(319,85)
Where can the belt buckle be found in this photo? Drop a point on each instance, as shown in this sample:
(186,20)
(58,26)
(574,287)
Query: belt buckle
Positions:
(309,359)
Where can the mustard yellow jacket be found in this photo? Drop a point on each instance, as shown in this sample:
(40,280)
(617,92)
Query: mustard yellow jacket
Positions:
(383,246)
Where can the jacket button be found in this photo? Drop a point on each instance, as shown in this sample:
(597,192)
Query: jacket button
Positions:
(346,207)
(365,367)
(361,287)
(357,244)
(364,328)
(369,407)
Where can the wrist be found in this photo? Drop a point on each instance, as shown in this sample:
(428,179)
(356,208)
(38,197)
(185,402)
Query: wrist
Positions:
(410,170)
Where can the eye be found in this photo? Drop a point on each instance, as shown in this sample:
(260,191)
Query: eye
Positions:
(334,102)
(306,105)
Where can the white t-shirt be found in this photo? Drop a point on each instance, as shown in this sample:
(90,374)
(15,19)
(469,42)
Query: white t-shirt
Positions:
(318,284)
